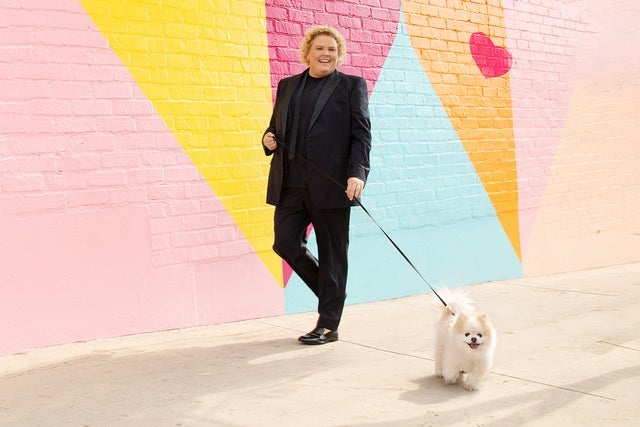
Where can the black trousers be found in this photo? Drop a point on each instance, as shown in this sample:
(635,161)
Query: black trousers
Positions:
(326,275)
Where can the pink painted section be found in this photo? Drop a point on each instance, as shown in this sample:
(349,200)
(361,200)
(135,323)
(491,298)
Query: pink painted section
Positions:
(590,211)
(66,277)
(107,226)
(541,90)
(369,32)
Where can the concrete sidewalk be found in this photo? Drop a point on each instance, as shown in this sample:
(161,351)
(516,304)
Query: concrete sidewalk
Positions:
(568,355)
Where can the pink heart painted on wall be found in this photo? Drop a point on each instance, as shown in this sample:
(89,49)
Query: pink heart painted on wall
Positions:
(492,60)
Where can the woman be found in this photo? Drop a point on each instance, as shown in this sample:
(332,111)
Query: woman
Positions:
(320,139)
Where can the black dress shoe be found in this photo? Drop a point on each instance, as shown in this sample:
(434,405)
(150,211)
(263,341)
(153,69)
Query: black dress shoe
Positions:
(319,336)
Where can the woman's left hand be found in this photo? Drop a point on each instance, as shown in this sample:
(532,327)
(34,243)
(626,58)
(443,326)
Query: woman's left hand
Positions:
(354,188)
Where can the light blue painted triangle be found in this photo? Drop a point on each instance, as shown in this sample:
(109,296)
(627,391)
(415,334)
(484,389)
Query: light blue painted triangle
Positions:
(424,191)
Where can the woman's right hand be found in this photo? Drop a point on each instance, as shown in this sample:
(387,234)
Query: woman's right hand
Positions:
(269,141)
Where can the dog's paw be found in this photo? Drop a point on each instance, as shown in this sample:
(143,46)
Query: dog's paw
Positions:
(471,387)
(450,379)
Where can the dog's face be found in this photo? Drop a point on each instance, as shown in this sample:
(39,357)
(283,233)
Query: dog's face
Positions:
(473,330)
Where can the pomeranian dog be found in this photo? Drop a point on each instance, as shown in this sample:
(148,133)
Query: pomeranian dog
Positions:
(465,341)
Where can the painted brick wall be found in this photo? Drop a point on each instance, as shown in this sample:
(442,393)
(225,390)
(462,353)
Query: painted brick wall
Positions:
(132,181)
(110,222)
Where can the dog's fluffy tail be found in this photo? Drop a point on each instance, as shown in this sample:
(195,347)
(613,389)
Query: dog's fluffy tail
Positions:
(458,300)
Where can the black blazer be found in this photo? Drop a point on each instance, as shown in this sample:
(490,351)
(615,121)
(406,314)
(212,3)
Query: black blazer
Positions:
(338,138)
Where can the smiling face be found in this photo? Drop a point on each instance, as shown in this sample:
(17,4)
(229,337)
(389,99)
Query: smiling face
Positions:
(322,56)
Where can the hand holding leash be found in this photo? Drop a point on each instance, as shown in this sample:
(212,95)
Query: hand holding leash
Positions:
(354,188)
(353,184)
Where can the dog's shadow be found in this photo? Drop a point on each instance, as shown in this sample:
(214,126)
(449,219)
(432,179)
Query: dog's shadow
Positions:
(433,389)
(542,401)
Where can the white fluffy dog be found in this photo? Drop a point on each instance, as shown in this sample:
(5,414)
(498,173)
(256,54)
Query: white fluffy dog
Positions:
(465,340)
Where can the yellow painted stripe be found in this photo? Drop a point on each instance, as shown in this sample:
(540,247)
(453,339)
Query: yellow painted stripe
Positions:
(205,67)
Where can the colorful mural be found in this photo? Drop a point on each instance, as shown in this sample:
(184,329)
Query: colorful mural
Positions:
(425,191)
(132,181)
(469,74)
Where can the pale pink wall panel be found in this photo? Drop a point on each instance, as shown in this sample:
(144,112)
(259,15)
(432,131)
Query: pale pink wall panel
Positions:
(590,212)
(537,37)
(72,277)
(230,289)
(106,224)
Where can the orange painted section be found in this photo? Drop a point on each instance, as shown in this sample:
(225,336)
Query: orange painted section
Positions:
(479,107)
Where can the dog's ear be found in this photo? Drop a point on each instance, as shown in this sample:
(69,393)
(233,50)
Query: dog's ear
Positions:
(486,322)
(484,318)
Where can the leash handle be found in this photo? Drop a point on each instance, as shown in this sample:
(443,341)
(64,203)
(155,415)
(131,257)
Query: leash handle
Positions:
(359,203)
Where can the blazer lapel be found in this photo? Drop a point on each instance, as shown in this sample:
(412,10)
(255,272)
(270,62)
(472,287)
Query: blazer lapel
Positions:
(326,92)
(291,88)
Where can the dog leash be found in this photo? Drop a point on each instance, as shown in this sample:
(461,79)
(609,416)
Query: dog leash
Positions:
(359,203)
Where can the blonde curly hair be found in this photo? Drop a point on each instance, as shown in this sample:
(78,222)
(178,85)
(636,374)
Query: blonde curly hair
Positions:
(316,31)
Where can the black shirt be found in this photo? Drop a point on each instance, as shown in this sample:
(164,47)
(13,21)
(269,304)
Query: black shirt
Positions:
(296,170)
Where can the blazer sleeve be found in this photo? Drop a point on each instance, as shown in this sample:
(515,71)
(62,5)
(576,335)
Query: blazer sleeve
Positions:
(272,122)
(360,130)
